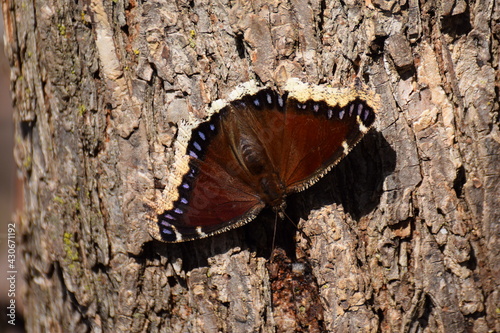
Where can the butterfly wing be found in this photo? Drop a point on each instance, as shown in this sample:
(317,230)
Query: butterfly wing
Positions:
(318,136)
(304,135)
(214,194)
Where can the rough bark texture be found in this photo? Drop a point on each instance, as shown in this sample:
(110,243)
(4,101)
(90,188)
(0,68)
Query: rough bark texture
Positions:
(402,236)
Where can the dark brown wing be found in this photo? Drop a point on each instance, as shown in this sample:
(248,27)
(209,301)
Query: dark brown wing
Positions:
(214,194)
(317,136)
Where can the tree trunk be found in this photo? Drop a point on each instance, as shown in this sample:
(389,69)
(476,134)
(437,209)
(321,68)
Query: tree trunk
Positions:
(401,236)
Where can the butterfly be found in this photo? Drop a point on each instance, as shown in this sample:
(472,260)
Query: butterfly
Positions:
(255,150)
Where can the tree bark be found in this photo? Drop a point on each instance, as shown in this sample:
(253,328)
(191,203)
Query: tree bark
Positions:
(401,236)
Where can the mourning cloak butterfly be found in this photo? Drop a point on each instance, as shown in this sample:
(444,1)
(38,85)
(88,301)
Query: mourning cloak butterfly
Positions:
(255,150)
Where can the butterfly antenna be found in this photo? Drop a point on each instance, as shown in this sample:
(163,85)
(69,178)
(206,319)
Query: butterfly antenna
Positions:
(289,219)
(296,227)
(274,235)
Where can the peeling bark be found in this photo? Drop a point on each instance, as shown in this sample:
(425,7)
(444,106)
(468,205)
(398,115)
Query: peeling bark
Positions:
(402,236)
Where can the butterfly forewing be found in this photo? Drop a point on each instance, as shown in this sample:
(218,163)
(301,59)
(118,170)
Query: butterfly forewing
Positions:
(318,136)
(214,194)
